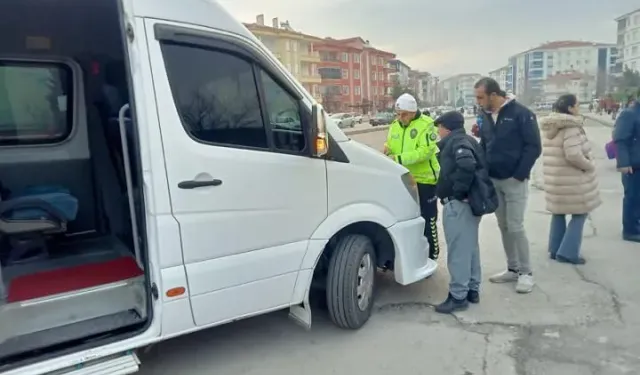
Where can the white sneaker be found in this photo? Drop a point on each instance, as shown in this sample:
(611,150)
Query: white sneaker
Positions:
(525,284)
(504,277)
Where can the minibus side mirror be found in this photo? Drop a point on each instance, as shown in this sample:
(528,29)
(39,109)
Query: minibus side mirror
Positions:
(319,138)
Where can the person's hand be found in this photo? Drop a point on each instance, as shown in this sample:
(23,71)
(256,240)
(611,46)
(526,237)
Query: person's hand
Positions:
(625,170)
(475,130)
(385,150)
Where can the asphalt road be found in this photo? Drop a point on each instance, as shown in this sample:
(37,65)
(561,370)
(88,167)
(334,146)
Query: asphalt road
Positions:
(578,321)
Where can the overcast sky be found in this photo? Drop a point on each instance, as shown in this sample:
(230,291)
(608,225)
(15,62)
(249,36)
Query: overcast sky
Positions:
(441,36)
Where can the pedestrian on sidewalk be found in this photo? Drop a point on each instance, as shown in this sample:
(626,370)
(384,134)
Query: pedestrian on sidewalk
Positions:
(460,163)
(626,135)
(570,180)
(510,139)
(412,142)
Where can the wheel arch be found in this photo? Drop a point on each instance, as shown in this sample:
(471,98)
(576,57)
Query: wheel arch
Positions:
(362,218)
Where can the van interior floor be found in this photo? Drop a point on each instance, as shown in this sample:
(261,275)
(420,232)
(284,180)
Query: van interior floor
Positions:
(92,287)
(76,265)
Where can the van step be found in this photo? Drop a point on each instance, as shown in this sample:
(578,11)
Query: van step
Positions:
(122,364)
(62,334)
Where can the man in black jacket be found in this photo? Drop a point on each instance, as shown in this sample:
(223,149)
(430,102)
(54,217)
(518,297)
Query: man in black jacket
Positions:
(458,165)
(510,138)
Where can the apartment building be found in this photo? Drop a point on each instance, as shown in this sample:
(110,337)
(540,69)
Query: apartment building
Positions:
(629,40)
(504,77)
(530,69)
(355,75)
(458,91)
(294,49)
(400,72)
(580,84)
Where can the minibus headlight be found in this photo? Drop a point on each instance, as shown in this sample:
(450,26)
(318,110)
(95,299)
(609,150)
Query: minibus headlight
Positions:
(412,187)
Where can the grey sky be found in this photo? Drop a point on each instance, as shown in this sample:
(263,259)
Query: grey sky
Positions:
(442,36)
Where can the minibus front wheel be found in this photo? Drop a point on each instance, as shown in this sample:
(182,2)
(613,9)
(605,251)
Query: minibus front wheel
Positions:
(351,281)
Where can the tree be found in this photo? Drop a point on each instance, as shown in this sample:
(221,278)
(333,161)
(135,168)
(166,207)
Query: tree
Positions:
(627,84)
(399,89)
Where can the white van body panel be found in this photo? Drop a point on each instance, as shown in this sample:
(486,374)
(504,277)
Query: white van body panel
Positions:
(268,192)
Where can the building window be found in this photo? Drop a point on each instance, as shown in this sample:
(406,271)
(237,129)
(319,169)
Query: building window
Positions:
(357,90)
(330,73)
(289,68)
(314,90)
(345,57)
(373,76)
(380,61)
(345,74)
(375,90)
(345,90)
(373,61)
(634,50)
(36,105)
(356,58)
(356,74)
(295,45)
(287,45)
(381,76)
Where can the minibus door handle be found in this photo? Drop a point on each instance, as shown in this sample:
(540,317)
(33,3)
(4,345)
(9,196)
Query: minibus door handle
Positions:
(193,184)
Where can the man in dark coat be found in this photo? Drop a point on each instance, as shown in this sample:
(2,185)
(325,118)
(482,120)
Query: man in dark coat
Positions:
(459,154)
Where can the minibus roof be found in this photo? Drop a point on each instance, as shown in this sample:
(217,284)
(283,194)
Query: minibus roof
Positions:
(207,13)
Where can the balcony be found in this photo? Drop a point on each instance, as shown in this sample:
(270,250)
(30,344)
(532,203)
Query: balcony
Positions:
(313,56)
(309,78)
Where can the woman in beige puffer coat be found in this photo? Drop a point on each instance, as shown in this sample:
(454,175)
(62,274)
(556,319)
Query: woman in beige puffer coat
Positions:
(570,180)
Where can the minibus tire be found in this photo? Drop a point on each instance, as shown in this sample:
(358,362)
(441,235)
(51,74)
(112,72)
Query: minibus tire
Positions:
(343,280)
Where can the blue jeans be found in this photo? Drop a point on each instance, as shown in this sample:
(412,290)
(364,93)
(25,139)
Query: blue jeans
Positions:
(566,240)
(631,203)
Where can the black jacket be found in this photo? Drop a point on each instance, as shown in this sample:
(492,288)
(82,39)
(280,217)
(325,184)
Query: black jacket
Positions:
(458,163)
(512,145)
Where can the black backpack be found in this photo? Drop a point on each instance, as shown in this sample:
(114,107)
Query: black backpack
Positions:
(483,198)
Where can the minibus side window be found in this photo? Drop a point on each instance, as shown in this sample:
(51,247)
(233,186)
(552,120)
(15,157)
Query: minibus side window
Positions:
(225,99)
(34,102)
(283,112)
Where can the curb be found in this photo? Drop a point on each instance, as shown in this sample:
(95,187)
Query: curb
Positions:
(366,130)
(599,120)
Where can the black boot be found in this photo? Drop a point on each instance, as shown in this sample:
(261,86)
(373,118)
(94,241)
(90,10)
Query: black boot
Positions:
(452,305)
(473,296)
(631,237)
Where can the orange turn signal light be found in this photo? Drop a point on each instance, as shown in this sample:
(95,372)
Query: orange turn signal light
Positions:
(175,292)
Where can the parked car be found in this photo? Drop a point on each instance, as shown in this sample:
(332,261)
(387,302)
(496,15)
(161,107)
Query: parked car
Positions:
(344,120)
(384,118)
(357,118)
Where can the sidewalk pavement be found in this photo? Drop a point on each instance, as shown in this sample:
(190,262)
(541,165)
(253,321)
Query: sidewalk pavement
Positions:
(603,119)
(579,319)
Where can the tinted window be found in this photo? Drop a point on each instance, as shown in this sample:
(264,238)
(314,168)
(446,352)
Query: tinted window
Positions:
(216,95)
(35,103)
(284,114)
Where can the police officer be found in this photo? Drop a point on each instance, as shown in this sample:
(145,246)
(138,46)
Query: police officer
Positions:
(412,142)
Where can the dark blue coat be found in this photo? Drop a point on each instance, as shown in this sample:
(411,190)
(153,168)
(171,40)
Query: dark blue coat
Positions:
(626,136)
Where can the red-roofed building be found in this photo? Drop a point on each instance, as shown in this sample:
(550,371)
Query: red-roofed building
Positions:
(528,70)
(355,76)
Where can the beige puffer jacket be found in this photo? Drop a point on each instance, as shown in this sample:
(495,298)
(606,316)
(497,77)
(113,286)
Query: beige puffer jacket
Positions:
(570,180)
